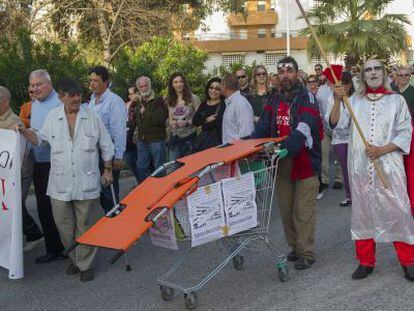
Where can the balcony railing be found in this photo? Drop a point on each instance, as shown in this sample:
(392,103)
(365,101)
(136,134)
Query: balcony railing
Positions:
(240,36)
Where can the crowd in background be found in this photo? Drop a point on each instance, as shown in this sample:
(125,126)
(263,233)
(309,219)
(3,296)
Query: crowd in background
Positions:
(148,130)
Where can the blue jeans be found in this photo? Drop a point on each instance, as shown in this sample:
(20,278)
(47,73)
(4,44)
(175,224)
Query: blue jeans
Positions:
(130,158)
(181,147)
(147,154)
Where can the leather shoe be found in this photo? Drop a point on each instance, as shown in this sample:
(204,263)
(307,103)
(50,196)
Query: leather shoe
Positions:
(362,272)
(409,273)
(87,275)
(72,269)
(50,257)
(292,256)
(304,263)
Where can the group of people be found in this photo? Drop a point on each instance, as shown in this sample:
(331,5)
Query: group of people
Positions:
(76,150)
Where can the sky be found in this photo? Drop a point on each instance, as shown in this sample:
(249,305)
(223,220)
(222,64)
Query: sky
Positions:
(217,24)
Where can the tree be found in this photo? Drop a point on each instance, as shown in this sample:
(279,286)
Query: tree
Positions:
(21,55)
(158,59)
(358,29)
(113,24)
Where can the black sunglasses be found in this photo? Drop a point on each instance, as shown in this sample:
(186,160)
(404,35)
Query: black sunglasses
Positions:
(241,77)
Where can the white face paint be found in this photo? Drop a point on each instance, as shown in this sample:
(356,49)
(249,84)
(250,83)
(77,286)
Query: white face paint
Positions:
(373,74)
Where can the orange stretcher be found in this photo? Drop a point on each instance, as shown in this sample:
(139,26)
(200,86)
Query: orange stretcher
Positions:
(137,212)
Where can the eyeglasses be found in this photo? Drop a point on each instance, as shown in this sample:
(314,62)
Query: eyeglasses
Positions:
(404,75)
(214,88)
(318,69)
(261,74)
(286,65)
(312,81)
(241,77)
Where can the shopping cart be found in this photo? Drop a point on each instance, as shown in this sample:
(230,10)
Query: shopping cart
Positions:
(264,167)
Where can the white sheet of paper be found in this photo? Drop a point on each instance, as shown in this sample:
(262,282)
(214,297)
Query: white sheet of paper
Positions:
(240,207)
(163,233)
(205,207)
(181,216)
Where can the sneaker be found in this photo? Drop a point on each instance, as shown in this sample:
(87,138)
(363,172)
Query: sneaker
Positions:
(337,185)
(409,273)
(33,245)
(86,276)
(346,202)
(72,269)
(361,272)
(292,256)
(319,196)
(304,263)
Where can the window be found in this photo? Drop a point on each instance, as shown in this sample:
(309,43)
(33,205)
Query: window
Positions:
(273,32)
(227,59)
(243,33)
(271,58)
(261,33)
(261,6)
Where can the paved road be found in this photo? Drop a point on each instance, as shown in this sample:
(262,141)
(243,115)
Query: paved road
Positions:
(326,286)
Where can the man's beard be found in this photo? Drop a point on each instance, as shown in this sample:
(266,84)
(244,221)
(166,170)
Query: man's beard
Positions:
(145,94)
(287,86)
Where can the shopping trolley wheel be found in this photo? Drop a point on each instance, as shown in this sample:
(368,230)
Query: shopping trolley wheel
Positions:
(238,262)
(283,272)
(191,300)
(167,293)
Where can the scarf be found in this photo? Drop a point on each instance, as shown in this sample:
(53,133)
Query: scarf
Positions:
(380,90)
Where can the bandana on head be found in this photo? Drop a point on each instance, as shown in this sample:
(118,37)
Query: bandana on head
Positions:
(337,69)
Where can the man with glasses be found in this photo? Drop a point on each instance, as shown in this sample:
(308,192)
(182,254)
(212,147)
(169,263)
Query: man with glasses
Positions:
(404,88)
(243,79)
(294,113)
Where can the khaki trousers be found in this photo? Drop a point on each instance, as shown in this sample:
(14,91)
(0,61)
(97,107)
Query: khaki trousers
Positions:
(72,219)
(326,148)
(297,205)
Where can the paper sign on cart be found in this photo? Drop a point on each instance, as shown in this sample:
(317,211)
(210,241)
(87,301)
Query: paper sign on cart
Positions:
(163,232)
(240,207)
(182,224)
(205,207)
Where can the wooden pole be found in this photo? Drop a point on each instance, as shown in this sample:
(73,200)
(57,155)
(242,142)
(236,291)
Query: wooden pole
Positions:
(378,169)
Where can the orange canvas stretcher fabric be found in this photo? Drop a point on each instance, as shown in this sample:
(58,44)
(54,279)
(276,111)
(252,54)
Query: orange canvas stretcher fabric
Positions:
(121,231)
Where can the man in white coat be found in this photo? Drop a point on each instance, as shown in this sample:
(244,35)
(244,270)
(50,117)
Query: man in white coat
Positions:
(378,214)
(76,135)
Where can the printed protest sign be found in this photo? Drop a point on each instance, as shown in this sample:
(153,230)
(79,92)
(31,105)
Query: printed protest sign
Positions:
(205,207)
(239,194)
(11,235)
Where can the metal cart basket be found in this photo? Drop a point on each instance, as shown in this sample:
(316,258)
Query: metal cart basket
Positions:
(264,167)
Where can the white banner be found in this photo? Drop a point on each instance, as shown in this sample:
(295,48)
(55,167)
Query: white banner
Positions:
(11,235)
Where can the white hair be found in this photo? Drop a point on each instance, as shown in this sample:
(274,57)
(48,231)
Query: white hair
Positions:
(145,79)
(41,73)
(4,94)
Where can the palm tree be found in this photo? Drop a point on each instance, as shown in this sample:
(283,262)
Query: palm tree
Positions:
(357,29)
